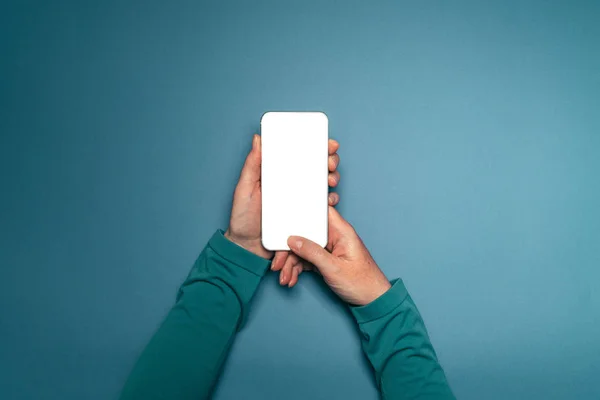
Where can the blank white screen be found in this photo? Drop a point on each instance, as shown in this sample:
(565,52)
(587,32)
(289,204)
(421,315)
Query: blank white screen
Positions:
(294,177)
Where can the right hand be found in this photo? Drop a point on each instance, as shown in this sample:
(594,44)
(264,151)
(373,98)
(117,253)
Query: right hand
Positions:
(346,265)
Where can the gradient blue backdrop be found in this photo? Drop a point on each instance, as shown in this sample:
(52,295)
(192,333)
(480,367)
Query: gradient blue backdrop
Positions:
(470,146)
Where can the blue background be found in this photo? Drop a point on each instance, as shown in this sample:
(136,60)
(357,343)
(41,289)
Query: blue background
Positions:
(470,147)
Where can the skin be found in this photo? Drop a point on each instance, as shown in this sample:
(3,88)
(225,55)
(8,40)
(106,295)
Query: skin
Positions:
(245,221)
(345,263)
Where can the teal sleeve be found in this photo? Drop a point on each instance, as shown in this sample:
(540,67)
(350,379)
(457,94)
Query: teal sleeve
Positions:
(396,343)
(184,357)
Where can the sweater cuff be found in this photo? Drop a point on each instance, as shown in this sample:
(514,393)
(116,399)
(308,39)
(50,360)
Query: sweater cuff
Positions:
(237,254)
(382,305)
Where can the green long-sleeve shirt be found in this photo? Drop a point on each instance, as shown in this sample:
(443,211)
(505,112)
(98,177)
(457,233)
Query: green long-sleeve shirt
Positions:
(184,357)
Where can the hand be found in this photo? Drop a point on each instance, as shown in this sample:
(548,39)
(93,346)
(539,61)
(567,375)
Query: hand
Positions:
(347,268)
(244,223)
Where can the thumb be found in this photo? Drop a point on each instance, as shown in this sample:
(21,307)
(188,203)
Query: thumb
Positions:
(251,170)
(311,252)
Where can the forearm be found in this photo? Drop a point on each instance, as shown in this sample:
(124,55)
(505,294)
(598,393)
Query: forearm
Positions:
(185,356)
(396,342)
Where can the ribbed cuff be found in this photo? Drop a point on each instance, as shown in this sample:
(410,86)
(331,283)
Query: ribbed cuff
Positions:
(237,254)
(382,305)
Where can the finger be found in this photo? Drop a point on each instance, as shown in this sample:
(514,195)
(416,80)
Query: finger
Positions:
(306,266)
(333,146)
(333,199)
(296,270)
(286,272)
(279,260)
(251,170)
(311,252)
(334,178)
(338,226)
(340,230)
(333,161)
(336,220)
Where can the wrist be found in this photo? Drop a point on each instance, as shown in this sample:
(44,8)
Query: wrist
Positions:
(376,292)
(252,245)
(381,306)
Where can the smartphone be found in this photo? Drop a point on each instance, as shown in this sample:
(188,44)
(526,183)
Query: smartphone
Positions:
(294,177)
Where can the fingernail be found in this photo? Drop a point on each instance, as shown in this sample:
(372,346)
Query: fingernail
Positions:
(298,244)
(281,276)
(330,197)
(254,141)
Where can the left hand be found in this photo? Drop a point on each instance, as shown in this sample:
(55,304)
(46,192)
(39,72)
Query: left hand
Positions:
(244,223)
